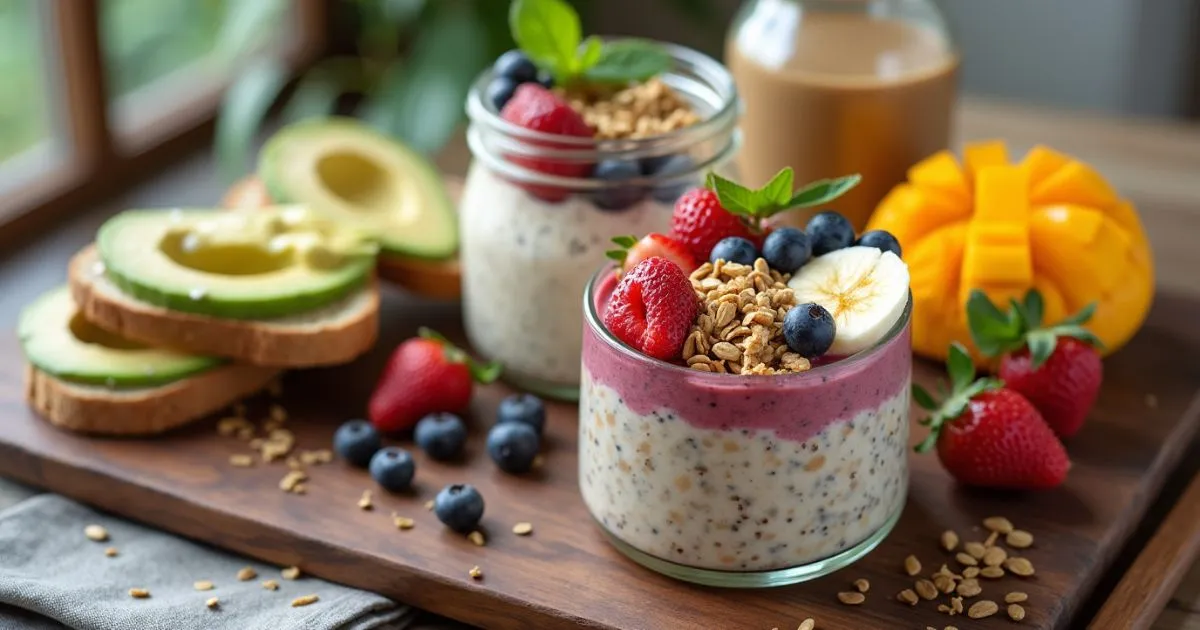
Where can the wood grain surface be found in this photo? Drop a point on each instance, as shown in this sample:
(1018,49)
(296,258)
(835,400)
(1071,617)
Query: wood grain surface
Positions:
(566,575)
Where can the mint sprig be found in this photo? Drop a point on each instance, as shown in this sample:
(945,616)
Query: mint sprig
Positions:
(963,387)
(995,332)
(756,204)
(480,372)
(549,32)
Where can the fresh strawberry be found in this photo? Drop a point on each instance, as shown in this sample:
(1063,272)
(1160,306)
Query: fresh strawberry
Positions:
(424,375)
(538,109)
(699,222)
(652,308)
(1057,368)
(989,436)
(633,251)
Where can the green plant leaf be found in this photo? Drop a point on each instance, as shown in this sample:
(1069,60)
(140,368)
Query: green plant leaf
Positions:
(318,90)
(593,49)
(480,372)
(924,399)
(628,60)
(992,330)
(962,369)
(778,191)
(1041,345)
(625,241)
(1081,317)
(548,31)
(243,27)
(242,110)
(734,197)
(1033,308)
(616,254)
(824,191)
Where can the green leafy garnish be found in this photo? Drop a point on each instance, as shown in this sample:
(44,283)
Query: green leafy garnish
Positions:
(480,372)
(550,33)
(963,387)
(623,243)
(995,332)
(756,204)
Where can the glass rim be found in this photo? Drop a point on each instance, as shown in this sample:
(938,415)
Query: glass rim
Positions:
(592,319)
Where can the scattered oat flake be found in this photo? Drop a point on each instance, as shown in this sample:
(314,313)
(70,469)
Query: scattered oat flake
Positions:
(300,489)
(1019,539)
(270,585)
(949,540)
(912,566)
(975,549)
(202,585)
(944,583)
(476,572)
(991,539)
(320,456)
(476,537)
(956,605)
(111,552)
(212,602)
(966,559)
(908,596)
(429,505)
(294,463)
(926,589)
(96,533)
(522,529)
(290,573)
(1015,597)
(995,556)
(364,502)
(403,522)
(970,572)
(862,585)
(991,573)
(241,460)
(1019,566)
(1016,612)
(291,480)
(246,573)
(982,608)
(807,624)
(139,593)
(851,598)
(998,524)
(969,588)
(304,600)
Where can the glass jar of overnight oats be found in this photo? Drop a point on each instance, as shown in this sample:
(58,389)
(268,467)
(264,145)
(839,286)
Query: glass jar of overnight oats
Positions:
(742,480)
(531,238)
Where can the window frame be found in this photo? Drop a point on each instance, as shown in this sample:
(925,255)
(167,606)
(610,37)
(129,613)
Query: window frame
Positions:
(92,156)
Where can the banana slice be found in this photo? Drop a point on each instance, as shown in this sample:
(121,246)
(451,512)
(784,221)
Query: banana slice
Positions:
(865,290)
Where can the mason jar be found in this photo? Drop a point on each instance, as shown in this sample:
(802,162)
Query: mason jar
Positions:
(737,480)
(831,87)
(531,239)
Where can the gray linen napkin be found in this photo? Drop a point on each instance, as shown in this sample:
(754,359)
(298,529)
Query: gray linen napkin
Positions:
(48,567)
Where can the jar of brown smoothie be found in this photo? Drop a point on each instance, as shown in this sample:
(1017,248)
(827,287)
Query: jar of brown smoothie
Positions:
(832,87)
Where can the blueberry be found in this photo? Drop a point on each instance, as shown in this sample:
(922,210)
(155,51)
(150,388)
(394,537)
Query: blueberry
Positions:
(622,195)
(393,468)
(787,249)
(459,506)
(545,79)
(734,249)
(441,435)
(669,166)
(356,442)
(523,408)
(880,239)
(513,445)
(499,91)
(829,231)
(515,65)
(808,330)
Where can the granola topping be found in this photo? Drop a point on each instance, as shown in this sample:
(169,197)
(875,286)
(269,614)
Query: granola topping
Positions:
(641,110)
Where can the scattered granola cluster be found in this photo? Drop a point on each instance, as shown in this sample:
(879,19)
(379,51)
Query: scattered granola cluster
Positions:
(273,442)
(637,111)
(740,326)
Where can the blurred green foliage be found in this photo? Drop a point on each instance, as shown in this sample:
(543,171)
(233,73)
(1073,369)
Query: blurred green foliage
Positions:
(23,112)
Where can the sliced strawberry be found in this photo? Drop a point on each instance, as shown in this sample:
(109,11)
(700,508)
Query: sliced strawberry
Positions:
(699,221)
(633,252)
(653,308)
(538,109)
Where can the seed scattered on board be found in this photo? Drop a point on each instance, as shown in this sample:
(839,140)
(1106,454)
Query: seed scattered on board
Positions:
(364,502)
(111,552)
(290,573)
(476,572)
(522,529)
(851,598)
(304,600)
(270,585)
(139,593)
(202,585)
(212,602)
(476,537)
(96,533)
(402,522)
(246,573)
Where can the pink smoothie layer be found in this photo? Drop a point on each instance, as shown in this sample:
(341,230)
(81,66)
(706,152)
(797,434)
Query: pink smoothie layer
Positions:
(794,406)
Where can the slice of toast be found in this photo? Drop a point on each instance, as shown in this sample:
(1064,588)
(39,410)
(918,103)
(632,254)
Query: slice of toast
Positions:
(99,410)
(331,335)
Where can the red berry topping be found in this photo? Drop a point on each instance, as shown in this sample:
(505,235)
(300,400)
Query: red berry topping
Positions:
(651,245)
(536,108)
(699,222)
(653,308)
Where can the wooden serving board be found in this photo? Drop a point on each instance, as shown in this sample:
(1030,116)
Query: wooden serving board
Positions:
(565,575)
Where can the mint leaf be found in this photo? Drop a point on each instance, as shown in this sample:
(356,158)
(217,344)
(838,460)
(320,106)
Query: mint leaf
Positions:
(627,60)
(823,191)
(778,191)
(549,32)
(733,196)
(590,53)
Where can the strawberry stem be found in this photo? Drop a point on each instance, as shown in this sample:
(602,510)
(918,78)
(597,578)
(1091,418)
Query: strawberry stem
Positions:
(963,387)
(996,333)
(481,372)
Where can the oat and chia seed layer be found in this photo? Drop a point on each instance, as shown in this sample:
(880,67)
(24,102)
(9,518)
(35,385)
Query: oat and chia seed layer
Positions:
(742,473)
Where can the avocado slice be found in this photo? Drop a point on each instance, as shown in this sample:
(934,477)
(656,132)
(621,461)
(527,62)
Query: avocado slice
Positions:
(57,340)
(147,254)
(345,169)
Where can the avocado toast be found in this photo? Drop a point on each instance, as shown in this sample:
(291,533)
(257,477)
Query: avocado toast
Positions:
(85,379)
(277,287)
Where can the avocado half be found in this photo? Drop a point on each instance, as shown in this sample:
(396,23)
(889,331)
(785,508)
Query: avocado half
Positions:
(352,173)
(57,340)
(136,249)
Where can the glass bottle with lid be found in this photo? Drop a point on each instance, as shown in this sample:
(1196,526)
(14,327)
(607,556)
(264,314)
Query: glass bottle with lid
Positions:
(832,87)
